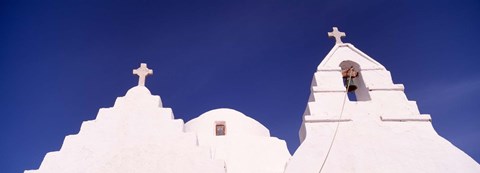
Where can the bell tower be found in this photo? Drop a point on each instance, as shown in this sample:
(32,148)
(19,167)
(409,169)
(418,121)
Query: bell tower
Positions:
(358,120)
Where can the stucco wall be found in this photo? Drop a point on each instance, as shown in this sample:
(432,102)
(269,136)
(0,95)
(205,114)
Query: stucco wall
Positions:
(246,147)
(136,135)
(384,133)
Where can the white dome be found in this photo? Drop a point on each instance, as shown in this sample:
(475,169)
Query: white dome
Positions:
(236,123)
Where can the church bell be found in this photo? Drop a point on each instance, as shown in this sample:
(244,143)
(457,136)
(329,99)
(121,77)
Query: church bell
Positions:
(348,76)
(349,84)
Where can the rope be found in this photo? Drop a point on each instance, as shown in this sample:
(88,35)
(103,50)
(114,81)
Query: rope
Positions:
(338,122)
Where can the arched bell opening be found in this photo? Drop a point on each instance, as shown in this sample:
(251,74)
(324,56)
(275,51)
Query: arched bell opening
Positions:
(353,81)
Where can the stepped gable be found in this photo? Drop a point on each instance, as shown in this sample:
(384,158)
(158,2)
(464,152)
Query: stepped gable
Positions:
(372,129)
(137,134)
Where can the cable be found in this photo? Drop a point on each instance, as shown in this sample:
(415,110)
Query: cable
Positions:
(338,122)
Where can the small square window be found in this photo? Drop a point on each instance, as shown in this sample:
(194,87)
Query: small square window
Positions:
(220,129)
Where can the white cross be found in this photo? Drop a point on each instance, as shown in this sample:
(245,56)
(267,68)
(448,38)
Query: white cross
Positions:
(142,73)
(337,34)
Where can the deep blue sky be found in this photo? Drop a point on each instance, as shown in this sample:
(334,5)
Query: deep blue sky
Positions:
(62,61)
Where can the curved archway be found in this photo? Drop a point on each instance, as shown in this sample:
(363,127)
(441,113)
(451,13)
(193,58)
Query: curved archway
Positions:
(361,93)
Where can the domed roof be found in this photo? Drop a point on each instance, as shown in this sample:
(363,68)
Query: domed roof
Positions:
(235,122)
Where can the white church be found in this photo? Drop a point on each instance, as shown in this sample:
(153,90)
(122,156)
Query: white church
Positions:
(356,120)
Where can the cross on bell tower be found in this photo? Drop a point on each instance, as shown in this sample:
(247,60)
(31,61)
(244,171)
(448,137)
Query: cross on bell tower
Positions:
(337,34)
(142,73)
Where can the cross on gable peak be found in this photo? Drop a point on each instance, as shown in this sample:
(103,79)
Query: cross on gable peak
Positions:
(142,73)
(337,35)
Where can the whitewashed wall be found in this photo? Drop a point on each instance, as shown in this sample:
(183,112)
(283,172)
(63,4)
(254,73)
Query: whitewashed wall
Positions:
(246,147)
(381,132)
(136,135)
